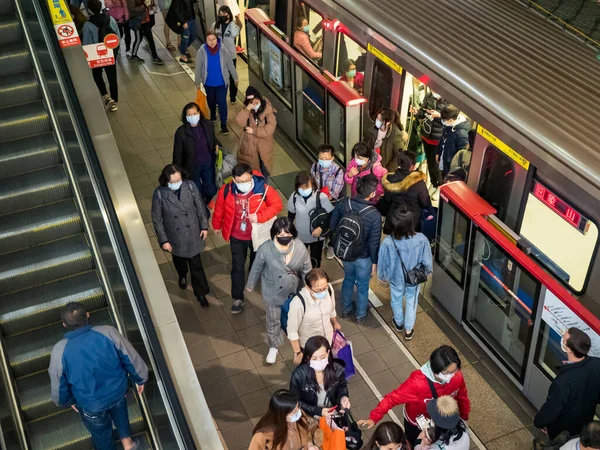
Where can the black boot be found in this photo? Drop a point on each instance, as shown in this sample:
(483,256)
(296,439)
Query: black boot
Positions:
(183,282)
(203,301)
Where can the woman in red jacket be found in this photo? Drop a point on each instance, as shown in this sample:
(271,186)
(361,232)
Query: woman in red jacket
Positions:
(440,376)
(246,200)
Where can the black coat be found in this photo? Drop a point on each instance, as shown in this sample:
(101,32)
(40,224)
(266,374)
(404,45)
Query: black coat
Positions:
(179,13)
(404,188)
(431,128)
(306,390)
(454,138)
(184,148)
(572,398)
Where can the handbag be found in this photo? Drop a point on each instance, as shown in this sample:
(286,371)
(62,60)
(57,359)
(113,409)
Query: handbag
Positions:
(261,232)
(353,435)
(416,275)
(202,103)
(342,349)
(332,439)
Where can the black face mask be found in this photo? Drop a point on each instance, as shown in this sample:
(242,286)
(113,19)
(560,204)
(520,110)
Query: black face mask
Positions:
(284,240)
(223,19)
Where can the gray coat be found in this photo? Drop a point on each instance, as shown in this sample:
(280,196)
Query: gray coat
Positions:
(179,221)
(279,280)
(232,31)
(227,66)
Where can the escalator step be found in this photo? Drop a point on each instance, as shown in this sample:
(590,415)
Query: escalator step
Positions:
(14,58)
(20,121)
(66,431)
(16,89)
(33,189)
(30,352)
(10,30)
(34,308)
(45,263)
(28,154)
(34,396)
(39,225)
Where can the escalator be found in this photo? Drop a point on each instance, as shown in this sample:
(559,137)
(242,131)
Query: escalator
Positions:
(47,255)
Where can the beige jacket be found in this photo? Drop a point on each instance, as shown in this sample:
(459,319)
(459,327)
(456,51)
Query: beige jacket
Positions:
(297,439)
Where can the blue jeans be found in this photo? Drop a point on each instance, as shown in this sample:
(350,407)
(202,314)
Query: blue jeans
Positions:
(356,272)
(412,300)
(204,177)
(100,423)
(217,95)
(188,36)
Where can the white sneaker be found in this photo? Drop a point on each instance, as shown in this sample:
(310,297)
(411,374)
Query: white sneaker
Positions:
(272,356)
(329,253)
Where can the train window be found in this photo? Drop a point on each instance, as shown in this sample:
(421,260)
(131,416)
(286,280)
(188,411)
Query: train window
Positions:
(497,176)
(381,88)
(336,120)
(351,61)
(311,115)
(451,251)
(308,32)
(553,231)
(277,71)
(253,46)
(413,95)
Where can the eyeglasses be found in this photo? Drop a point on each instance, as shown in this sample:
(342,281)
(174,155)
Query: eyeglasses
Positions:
(320,290)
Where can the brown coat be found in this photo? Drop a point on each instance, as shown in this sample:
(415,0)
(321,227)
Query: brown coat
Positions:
(259,145)
(297,438)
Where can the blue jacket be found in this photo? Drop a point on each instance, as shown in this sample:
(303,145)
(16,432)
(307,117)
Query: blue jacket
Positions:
(89,368)
(414,250)
(371,220)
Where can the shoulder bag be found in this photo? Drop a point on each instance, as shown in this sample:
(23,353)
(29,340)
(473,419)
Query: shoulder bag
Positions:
(416,275)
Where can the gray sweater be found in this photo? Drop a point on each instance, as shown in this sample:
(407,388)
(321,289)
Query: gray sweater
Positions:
(278,279)
(227,66)
(302,208)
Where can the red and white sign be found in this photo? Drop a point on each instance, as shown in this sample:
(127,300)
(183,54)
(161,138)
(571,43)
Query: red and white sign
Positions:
(98,55)
(111,41)
(67,34)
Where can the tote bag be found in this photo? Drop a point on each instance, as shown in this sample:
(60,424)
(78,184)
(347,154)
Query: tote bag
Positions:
(342,349)
(201,102)
(261,232)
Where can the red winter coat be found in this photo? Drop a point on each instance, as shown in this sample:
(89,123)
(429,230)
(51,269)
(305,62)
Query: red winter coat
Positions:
(224,213)
(415,393)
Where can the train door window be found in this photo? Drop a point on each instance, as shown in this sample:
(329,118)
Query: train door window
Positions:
(311,115)
(277,71)
(336,120)
(253,48)
(451,251)
(351,60)
(381,88)
(561,233)
(308,32)
(497,176)
(412,98)
(501,298)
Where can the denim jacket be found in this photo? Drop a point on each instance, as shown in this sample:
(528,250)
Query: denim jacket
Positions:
(414,250)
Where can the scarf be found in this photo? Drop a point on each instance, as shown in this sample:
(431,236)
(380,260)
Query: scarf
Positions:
(215,50)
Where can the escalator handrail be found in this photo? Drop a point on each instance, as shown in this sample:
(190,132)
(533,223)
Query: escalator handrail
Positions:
(161,371)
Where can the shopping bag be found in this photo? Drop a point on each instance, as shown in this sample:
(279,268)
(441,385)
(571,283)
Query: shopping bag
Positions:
(353,435)
(261,232)
(342,349)
(201,102)
(332,440)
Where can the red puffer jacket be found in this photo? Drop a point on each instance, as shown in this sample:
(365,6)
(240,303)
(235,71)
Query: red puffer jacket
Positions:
(415,393)
(224,213)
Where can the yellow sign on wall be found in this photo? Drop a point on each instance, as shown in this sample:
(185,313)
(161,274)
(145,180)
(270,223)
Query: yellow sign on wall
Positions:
(512,154)
(386,59)
(59,11)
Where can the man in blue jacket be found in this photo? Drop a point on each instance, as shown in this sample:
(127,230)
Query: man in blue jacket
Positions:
(359,268)
(89,371)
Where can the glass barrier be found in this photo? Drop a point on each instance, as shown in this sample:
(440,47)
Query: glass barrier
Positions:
(452,237)
(253,48)
(277,71)
(500,302)
(127,306)
(311,116)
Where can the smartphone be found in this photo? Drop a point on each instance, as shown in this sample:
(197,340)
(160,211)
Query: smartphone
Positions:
(333,409)
(423,423)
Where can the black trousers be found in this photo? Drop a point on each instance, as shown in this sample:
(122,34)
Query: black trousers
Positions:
(199,281)
(316,252)
(432,165)
(412,432)
(239,253)
(233,89)
(111,74)
(125,34)
(147,33)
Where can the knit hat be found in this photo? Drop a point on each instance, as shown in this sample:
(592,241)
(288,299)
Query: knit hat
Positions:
(252,93)
(444,412)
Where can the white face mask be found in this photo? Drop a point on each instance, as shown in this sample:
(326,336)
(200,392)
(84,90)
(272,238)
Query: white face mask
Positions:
(446,377)
(175,186)
(319,366)
(244,187)
(360,162)
(563,347)
(294,417)
(256,107)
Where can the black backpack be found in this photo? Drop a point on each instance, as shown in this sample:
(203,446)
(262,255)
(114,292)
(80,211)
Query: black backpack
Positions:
(347,241)
(102,21)
(318,217)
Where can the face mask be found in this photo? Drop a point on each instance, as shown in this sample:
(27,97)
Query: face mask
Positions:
(325,163)
(175,186)
(445,377)
(256,107)
(446,123)
(563,347)
(320,295)
(378,123)
(294,417)
(306,29)
(360,162)
(223,18)
(305,192)
(351,73)
(319,366)
(193,120)
(244,187)
(284,240)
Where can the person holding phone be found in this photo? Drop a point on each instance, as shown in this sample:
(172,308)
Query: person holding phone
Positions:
(448,431)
